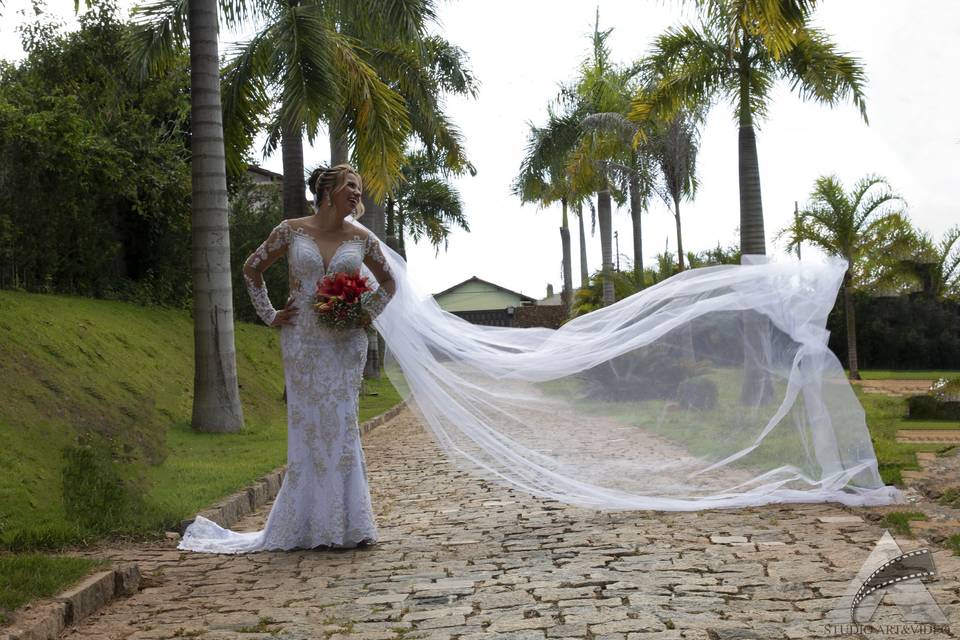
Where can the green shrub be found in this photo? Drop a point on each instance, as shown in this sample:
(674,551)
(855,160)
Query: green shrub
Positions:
(99,490)
(927,407)
(648,373)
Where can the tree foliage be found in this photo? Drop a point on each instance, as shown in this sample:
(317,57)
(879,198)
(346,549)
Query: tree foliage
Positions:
(94,179)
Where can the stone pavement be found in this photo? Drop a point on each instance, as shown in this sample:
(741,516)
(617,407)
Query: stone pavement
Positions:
(463,558)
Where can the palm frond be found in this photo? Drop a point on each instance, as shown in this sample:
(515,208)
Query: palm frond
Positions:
(776,22)
(305,60)
(686,68)
(159,31)
(449,64)
(379,124)
(818,71)
(613,123)
(243,83)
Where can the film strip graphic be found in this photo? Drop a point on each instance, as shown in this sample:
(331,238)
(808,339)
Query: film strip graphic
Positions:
(907,566)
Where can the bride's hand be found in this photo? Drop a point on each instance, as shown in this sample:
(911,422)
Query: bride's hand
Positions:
(285,315)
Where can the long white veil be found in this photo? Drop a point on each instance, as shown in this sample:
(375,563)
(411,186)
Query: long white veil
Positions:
(714,388)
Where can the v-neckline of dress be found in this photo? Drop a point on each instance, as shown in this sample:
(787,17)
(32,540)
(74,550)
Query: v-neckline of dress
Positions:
(323,261)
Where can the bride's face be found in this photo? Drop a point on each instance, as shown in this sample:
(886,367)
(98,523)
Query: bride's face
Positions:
(346,199)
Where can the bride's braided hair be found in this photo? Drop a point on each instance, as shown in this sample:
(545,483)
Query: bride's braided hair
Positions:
(331,180)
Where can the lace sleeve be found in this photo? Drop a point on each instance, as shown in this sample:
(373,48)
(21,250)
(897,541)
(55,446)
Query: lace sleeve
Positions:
(373,257)
(258,261)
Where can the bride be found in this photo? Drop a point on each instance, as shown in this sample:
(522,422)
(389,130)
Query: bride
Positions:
(712,389)
(324,499)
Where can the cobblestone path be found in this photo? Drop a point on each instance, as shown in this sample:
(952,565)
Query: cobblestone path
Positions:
(461,558)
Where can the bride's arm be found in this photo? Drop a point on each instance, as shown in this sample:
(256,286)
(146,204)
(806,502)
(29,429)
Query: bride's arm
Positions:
(258,261)
(374,259)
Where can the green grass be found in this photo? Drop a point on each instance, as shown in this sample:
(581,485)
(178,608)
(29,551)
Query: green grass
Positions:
(906,423)
(121,376)
(899,521)
(908,375)
(953,542)
(885,416)
(950,497)
(26,577)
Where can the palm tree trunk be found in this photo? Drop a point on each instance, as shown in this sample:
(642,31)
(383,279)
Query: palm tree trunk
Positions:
(752,240)
(374,217)
(392,225)
(567,293)
(401,248)
(848,310)
(294,184)
(216,395)
(584,273)
(635,212)
(757,388)
(339,147)
(676,214)
(604,214)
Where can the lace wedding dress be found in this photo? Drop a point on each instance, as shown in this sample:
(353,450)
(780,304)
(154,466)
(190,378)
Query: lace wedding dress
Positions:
(324,499)
(715,388)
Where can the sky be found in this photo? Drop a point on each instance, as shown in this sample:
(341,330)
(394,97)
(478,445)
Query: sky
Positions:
(521,51)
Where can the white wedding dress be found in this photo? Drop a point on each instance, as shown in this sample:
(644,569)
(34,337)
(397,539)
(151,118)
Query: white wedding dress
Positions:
(324,499)
(712,389)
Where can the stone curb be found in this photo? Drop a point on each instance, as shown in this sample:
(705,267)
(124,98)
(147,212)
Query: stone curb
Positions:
(234,507)
(48,620)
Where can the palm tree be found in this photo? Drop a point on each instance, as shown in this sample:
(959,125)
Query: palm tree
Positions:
(599,89)
(216,395)
(320,74)
(737,52)
(301,63)
(854,225)
(543,179)
(934,265)
(676,150)
(424,205)
(629,160)
(423,69)
(216,398)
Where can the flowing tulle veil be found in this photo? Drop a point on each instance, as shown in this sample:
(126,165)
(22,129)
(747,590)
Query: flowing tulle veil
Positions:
(714,388)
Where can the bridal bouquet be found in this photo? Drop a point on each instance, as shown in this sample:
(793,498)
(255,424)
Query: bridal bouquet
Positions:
(339,301)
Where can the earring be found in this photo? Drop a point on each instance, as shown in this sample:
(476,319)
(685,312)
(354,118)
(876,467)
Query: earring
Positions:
(329,200)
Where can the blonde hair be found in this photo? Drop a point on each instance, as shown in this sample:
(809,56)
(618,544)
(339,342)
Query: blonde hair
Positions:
(333,178)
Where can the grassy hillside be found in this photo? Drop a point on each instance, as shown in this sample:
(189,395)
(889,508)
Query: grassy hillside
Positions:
(119,377)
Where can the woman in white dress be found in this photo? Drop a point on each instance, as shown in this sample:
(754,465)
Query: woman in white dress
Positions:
(324,500)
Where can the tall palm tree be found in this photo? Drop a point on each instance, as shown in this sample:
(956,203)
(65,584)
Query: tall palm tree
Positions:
(629,160)
(216,398)
(855,225)
(216,395)
(676,148)
(738,52)
(599,89)
(543,179)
